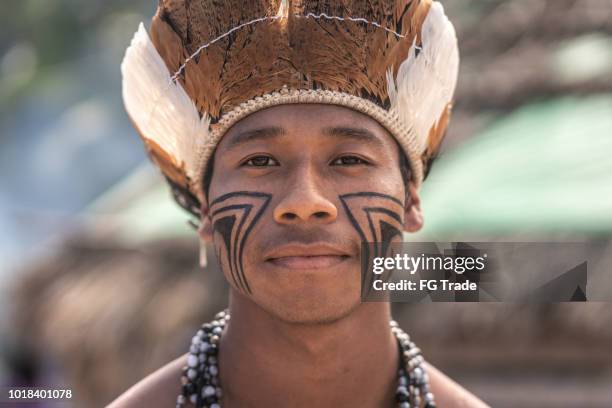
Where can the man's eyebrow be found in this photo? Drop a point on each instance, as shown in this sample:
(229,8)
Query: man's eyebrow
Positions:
(361,135)
(254,135)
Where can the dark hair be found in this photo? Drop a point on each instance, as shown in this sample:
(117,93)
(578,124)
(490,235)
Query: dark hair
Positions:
(208,175)
(404,165)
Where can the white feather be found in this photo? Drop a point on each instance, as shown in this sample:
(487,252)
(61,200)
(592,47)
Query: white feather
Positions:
(425,83)
(159,107)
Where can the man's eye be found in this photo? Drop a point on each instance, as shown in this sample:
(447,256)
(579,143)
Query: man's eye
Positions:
(348,161)
(260,161)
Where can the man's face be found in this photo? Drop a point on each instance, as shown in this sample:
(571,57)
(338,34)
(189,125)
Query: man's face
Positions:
(295,190)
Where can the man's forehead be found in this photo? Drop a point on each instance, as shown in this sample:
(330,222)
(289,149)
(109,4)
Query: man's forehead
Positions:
(282,122)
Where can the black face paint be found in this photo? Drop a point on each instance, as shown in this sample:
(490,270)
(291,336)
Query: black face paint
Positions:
(378,219)
(233,217)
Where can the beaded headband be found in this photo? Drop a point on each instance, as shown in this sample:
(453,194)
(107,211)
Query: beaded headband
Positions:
(209,64)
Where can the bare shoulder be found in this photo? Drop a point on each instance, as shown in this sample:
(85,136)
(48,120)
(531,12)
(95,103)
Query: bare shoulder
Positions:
(448,393)
(158,389)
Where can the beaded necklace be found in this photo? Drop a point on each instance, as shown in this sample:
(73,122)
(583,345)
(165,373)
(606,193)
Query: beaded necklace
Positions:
(202,388)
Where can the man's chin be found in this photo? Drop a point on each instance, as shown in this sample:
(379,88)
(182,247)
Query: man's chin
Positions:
(307,296)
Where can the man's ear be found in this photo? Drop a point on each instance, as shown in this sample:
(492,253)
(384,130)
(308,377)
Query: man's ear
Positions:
(413,217)
(205,231)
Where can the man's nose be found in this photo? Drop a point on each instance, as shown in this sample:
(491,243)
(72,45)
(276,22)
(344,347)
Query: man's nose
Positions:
(304,202)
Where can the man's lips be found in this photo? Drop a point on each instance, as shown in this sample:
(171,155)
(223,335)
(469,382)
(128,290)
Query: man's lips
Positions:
(307,256)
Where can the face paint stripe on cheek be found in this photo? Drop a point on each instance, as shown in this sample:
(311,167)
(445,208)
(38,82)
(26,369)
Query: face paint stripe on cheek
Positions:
(372,194)
(226,227)
(377,218)
(234,216)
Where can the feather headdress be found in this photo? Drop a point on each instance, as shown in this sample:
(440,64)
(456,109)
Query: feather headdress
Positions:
(208,64)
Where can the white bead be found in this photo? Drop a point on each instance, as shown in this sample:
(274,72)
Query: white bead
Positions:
(193,398)
(204,346)
(196,340)
(215,405)
(191,374)
(418,373)
(208,391)
(192,360)
(213,370)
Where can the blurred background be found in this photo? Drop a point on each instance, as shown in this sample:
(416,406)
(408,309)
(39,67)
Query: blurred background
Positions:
(99,283)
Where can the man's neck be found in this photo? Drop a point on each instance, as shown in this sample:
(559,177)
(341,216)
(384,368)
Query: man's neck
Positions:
(267,362)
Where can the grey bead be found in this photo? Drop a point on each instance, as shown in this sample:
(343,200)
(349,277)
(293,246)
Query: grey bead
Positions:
(191,374)
(404,405)
(215,405)
(213,370)
(192,360)
(208,391)
(217,330)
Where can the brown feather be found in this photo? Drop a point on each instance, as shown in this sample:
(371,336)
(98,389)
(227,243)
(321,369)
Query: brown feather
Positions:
(296,52)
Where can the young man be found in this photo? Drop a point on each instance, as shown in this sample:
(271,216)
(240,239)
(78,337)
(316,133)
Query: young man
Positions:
(295,131)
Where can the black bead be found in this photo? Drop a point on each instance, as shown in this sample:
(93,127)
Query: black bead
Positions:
(188,389)
(400,397)
(430,405)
